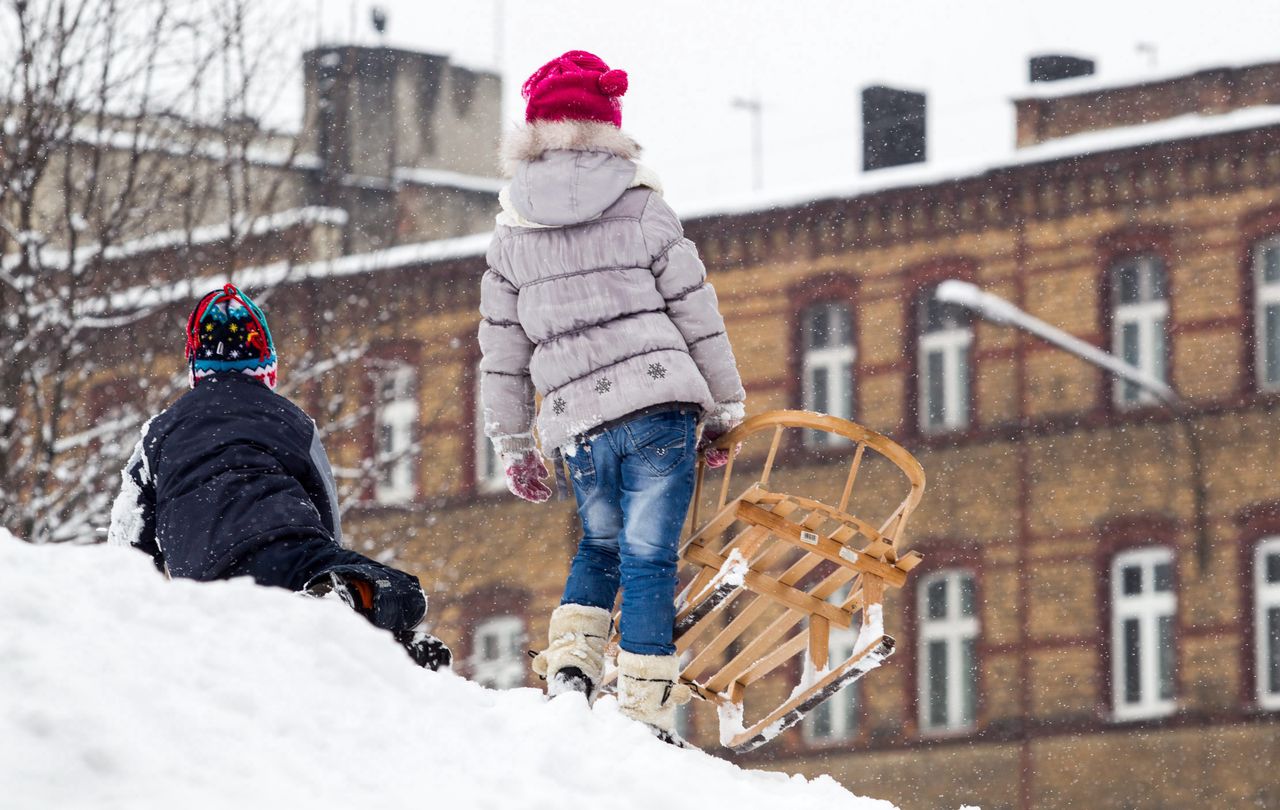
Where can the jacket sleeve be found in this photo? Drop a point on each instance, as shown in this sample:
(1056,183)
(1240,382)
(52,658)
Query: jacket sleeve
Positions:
(506,389)
(133,514)
(691,300)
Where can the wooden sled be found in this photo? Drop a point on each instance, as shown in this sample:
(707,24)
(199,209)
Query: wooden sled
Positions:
(770,576)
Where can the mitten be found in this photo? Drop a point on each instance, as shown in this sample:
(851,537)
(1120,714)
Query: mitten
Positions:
(723,419)
(525,474)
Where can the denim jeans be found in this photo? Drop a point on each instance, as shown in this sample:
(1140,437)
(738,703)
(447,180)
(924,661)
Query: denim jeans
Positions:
(633,483)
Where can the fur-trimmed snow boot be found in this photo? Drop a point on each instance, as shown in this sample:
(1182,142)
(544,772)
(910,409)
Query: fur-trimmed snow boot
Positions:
(574,658)
(649,690)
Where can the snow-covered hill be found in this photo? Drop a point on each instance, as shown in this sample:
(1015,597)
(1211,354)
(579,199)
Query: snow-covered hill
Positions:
(119,689)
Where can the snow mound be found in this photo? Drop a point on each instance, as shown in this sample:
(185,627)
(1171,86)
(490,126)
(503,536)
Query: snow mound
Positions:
(119,689)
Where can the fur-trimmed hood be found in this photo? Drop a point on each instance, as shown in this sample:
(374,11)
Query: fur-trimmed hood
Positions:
(531,141)
(567,172)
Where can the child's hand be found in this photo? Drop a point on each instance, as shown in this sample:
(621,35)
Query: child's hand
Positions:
(725,418)
(715,458)
(525,472)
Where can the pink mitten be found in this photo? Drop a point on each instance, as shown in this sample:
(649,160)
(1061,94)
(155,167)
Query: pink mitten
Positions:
(725,418)
(714,458)
(525,472)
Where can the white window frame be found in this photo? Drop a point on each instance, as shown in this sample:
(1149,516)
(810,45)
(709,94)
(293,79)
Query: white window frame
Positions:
(954,344)
(843,707)
(505,669)
(395,421)
(1150,316)
(954,630)
(489,473)
(838,361)
(1266,598)
(1266,294)
(1147,608)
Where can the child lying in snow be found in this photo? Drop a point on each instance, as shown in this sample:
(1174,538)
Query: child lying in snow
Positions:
(594,297)
(231,480)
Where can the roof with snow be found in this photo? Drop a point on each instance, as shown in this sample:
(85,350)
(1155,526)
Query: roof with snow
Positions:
(1097,83)
(1172,130)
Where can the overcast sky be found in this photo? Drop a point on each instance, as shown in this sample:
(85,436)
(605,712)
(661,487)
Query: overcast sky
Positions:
(807,61)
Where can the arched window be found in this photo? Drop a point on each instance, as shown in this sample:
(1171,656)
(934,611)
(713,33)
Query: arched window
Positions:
(1143,610)
(497,659)
(490,476)
(829,353)
(948,657)
(946,335)
(395,418)
(1139,312)
(1266,284)
(1266,588)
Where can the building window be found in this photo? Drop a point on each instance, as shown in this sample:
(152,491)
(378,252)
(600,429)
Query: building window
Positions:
(1266,585)
(490,475)
(1266,269)
(828,365)
(836,719)
(948,680)
(1140,309)
(1142,647)
(946,335)
(396,417)
(498,658)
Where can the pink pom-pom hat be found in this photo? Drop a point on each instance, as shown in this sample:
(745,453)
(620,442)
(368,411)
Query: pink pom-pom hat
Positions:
(575,86)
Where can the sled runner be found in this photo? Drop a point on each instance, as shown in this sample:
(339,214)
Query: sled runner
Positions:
(770,576)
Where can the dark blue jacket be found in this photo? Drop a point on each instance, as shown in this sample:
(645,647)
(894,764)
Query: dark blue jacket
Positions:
(232,480)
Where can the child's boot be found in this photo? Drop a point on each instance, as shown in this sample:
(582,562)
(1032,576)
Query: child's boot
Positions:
(649,690)
(574,658)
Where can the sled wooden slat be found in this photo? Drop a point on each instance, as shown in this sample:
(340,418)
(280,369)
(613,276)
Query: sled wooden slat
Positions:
(756,652)
(764,569)
(853,474)
(823,546)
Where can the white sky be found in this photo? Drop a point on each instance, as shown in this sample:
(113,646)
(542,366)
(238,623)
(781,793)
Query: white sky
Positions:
(807,60)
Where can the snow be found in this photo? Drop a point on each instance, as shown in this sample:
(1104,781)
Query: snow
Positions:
(927,174)
(443,177)
(200,235)
(1096,83)
(124,690)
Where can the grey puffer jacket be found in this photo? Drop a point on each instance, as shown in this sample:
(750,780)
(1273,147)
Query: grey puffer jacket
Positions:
(593,296)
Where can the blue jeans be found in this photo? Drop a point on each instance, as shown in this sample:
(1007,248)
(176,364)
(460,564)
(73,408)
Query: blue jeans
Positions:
(633,483)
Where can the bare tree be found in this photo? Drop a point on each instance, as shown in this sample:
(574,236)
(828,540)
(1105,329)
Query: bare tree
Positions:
(127,131)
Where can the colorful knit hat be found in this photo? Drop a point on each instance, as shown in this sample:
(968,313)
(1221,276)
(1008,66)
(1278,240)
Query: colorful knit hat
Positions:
(227,332)
(577,86)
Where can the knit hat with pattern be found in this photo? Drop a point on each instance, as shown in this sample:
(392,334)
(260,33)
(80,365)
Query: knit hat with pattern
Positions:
(227,332)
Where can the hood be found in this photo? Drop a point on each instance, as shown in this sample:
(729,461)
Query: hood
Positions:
(566,172)
(565,187)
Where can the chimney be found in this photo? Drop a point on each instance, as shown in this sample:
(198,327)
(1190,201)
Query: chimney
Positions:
(893,131)
(1056,67)
(372,110)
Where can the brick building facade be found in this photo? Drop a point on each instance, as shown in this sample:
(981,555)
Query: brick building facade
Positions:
(1072,639)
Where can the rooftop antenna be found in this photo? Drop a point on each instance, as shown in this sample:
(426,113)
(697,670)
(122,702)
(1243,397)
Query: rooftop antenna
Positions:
(1150,51)
(378,16)
(754,106)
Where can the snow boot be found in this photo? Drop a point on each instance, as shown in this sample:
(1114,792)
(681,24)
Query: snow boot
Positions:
(574,658)
(649,690)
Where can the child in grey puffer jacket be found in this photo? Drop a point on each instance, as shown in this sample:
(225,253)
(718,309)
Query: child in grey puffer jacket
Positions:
(594,298)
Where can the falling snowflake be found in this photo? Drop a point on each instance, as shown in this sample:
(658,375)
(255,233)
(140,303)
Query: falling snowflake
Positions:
(603,386)
(657,371)
(558,406)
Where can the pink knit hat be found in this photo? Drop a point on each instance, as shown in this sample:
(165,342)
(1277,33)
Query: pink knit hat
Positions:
(578,86)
